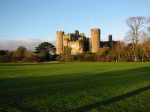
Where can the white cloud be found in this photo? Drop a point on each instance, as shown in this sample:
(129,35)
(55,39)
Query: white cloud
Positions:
(13,44)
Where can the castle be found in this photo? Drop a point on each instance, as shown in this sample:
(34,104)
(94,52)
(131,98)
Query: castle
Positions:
(79,43)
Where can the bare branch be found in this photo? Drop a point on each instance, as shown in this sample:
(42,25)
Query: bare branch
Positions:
(135,25)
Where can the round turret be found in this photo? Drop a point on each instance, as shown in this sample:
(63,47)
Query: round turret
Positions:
(59,42)
(95,40)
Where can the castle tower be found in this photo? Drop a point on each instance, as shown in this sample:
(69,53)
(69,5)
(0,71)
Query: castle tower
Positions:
(59,42)
(110,38)
(95,40)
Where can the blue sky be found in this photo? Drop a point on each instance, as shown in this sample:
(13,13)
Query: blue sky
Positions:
(32,19)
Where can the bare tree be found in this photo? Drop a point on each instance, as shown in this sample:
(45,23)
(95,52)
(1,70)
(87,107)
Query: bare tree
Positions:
(136,25)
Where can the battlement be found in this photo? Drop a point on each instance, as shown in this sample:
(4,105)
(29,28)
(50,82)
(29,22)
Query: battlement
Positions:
(60,32)
(79,43)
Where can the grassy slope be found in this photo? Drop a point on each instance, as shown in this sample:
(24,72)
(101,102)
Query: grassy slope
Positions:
(91,87)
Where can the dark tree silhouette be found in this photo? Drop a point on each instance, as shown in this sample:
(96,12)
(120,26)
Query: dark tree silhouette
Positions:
(45,51)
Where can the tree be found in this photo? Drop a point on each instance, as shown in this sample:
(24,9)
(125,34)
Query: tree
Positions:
(136,25)
(20,53)
(44,50)
(30,57)
(3,52)
(4,56)
(118,51)
(45,46)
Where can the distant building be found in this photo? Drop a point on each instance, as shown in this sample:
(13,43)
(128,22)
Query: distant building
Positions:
(79,43)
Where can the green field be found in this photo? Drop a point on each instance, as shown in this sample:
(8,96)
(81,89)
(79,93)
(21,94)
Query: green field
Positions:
(75,87)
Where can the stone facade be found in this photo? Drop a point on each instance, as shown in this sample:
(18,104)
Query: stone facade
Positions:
(79,43)
(95,40)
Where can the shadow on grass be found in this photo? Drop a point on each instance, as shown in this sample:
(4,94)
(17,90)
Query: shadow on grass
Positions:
(13,90)
(109,101)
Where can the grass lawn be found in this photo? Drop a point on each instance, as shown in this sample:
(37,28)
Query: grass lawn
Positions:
(75,87)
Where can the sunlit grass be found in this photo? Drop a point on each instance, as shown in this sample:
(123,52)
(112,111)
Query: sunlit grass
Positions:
(73,86)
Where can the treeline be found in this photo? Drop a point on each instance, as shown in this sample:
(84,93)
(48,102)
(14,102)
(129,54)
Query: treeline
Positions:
(120,52)
(43,52)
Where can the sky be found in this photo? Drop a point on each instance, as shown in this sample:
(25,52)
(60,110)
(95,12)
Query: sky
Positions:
(40,19)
